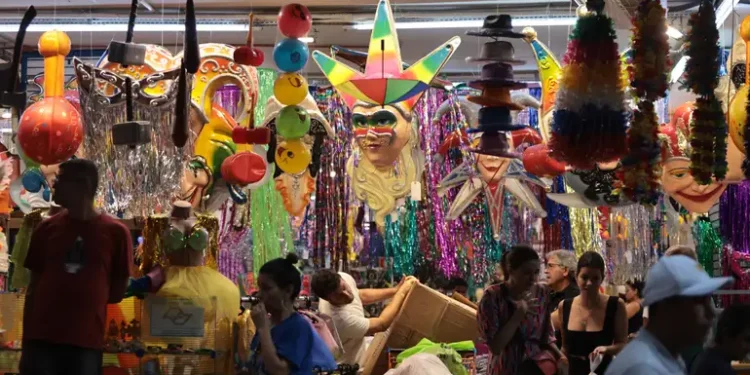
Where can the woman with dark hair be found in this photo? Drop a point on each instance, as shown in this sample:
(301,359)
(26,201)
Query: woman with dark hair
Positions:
(285,342)
(514,319)
(593,323)
(633,305)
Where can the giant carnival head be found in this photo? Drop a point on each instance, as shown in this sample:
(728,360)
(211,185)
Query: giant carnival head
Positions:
(386,158)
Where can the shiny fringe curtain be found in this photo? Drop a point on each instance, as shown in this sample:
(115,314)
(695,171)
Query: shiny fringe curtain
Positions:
(327,230)
(271,228)
(734,214)
(135,182)
(629,251)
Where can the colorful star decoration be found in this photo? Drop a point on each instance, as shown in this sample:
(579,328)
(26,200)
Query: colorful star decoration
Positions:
(384,80)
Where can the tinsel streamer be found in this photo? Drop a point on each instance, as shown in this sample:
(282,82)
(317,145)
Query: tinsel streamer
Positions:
(584,228)
(151,252)
(393,245)
(648,73)
(229,97)
(211,253)
(628,250)
(331,208)
(746,133)
(590,102)
(708,129)
(135,182)
(233,252)
(708,243)
(556,226)
(409,247)
(272,234)
(734,216)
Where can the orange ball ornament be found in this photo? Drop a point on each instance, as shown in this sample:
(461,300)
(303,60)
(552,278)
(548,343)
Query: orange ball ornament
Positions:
(50,131)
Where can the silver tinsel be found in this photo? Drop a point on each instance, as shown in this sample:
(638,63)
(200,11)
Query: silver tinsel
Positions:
(629,249)
(135,181)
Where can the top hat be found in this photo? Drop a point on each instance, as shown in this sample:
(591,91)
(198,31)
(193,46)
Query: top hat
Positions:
(495,144)
(495,119)
(493,96)
(497,75)
(497,26)
(498,51)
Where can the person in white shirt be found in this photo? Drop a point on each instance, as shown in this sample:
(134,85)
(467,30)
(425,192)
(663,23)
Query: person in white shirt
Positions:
(344,303)
(678,293)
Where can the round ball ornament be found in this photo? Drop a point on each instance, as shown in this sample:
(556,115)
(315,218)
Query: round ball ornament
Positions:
(293,122)
(290,88)
(292,156)
(290,55)
(738,118)
(50,131)
(295,21)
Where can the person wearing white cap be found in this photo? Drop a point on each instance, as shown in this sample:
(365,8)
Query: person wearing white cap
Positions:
(678,293)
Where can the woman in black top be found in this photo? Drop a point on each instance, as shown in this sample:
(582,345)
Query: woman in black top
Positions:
(633,306)
(592,323)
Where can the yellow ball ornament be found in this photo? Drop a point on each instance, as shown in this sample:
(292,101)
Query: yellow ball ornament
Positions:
(738,117)
(290,88)
(292,156)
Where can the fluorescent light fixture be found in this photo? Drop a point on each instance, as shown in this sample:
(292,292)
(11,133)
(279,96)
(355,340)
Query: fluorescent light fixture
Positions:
(724,10)
(468,24)
(116,28)
(674,33)
(6,115)
(679,68)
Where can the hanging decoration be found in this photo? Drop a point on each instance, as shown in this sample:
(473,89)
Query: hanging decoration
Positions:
(50,131)
(249,54)
(708,128)
(708,244)
(590,106)
(734,213)
(649,82)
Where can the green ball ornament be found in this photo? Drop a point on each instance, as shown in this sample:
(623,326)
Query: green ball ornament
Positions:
(293,122)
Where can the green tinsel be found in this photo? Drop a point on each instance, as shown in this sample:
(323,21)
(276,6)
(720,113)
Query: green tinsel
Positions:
(272,231)
(707,244)
(708,140)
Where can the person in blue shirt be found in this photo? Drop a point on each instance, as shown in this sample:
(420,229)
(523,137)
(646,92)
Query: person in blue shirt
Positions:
(285,343)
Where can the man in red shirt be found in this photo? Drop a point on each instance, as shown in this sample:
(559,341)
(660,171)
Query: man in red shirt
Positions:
(80,261)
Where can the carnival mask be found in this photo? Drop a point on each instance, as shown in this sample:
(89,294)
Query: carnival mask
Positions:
(381,132)
(676,179)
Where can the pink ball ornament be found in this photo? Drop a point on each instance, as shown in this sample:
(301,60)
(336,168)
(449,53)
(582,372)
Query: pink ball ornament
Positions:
(50,131)
(294,20)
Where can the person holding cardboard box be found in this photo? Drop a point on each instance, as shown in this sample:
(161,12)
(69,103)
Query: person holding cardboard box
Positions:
(344,303)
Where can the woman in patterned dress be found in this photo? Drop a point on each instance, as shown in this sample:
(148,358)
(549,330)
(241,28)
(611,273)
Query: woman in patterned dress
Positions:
(514,319)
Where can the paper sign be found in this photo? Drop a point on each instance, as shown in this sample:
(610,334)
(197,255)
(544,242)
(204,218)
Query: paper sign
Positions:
(174,317)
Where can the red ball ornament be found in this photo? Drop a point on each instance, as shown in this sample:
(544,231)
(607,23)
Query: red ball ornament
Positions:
(50,131)
(244,168)
(294,21)
(537,161)
(249,56)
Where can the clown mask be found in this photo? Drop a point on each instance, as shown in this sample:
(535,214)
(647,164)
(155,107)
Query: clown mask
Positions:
(381,132)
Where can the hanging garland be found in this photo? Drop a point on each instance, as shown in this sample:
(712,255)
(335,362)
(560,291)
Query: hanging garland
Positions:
(708,129)
(590,103)
(648,76)
(746,161)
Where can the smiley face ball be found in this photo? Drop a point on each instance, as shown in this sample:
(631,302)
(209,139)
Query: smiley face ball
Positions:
(290,55)
(290,88)
(293,122)
(294,21)
(292,156)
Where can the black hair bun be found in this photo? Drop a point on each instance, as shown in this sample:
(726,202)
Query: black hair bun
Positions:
(292,258)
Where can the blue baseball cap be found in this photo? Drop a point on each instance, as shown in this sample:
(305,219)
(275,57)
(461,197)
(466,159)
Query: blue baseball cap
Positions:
(679,275)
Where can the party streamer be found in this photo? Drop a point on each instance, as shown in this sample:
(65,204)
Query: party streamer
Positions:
(708,243)
(734,216)
(708,129)
(648,76)
(590,101)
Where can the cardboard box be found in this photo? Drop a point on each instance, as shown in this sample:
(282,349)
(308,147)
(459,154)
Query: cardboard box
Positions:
(425,313)
(429,314)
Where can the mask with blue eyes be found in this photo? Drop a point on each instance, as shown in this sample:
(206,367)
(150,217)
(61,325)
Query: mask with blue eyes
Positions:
(195,239)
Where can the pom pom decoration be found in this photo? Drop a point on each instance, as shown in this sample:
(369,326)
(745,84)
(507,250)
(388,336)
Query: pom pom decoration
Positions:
(50,131)
(648,74)
(294,21)
(709,129)
(291,55)
(589,125)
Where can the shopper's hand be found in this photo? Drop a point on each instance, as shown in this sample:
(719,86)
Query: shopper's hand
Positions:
(259,316)
(562,365)
(525,306)
(603,350)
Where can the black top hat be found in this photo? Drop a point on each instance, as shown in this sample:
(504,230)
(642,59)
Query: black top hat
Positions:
(497,26)
(495,144)
(495,119)
(497,75)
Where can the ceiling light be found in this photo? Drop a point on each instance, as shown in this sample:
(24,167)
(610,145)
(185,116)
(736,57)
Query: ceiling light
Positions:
(468,24)
(674,33)
(6,115)
(117,27)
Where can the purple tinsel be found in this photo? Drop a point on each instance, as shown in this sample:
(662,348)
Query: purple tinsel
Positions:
(734,216)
